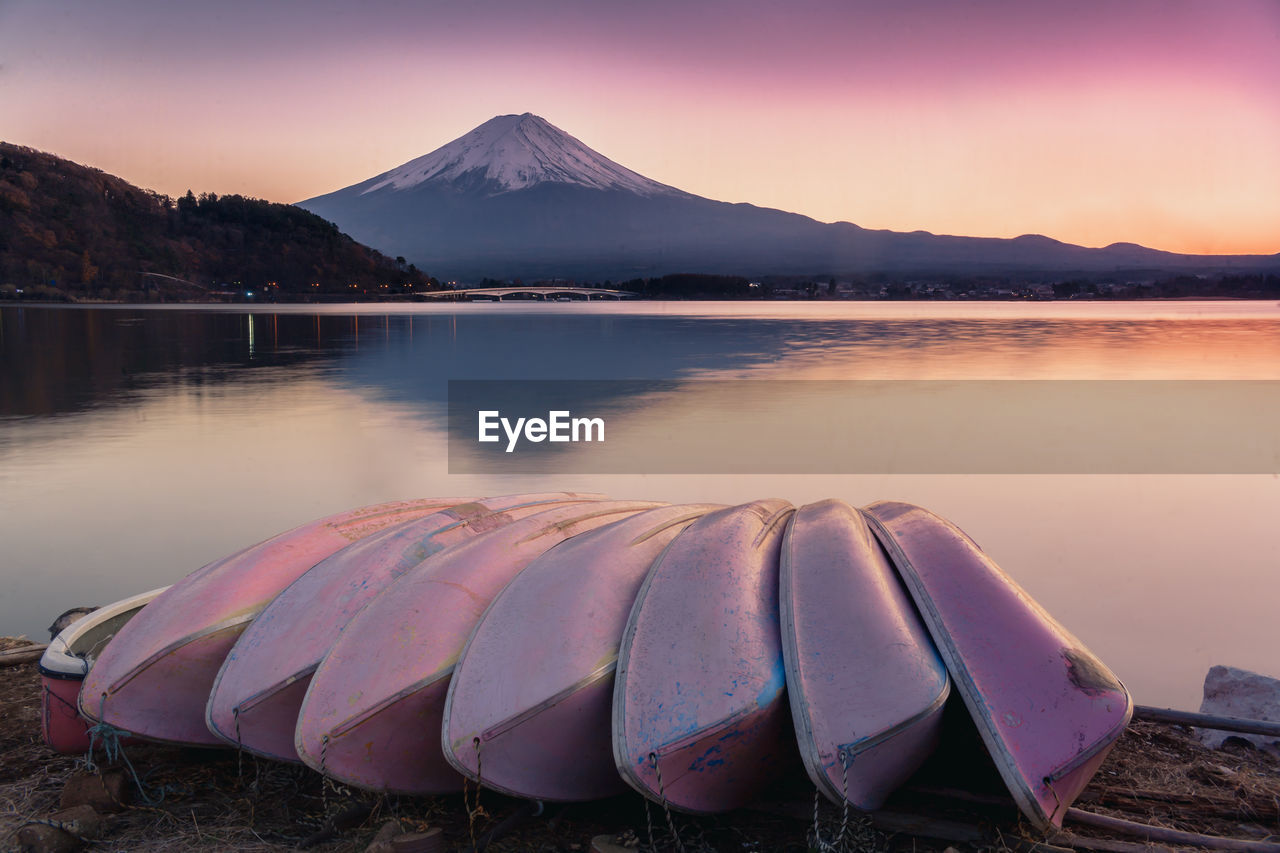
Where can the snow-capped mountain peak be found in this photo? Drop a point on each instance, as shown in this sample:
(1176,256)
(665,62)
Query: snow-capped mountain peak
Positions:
(515,152)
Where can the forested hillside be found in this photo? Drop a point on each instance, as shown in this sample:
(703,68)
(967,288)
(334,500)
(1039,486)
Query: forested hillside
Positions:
(74,231)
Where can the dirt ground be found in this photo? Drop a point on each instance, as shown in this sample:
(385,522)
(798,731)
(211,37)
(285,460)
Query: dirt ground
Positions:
(202,800)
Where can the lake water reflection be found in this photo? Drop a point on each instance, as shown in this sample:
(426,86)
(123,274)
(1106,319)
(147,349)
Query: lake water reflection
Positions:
(139,443)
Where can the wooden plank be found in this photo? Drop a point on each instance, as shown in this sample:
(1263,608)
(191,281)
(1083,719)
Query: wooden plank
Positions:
(1165,835)
(22,654)
(1188,808)
(1206,721)
(1139,795)
(1106,845)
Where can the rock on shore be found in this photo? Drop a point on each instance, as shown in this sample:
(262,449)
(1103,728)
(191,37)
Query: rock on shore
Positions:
(1235,692)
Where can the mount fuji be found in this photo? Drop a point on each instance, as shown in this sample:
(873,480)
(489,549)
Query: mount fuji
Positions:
(519,197)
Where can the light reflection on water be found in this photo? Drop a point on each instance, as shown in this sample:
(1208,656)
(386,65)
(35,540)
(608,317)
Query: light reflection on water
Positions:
(138,443)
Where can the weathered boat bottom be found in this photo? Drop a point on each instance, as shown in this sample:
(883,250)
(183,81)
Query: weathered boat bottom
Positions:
(732,754)
(542,743)
(406,729)
(164,699)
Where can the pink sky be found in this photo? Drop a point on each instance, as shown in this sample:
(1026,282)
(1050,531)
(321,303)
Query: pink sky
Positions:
(1092,122)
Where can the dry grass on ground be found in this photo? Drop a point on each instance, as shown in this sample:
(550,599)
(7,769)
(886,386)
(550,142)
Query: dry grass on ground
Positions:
(1162,775)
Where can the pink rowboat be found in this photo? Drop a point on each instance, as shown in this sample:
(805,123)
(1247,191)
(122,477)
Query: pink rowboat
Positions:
(865,683)
(258,692)
(68,660)
(534,686)
(154,679)
(1047,709)
(373,713)
(700,721)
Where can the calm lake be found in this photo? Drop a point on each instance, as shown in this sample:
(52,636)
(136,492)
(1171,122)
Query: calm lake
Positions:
(138,443)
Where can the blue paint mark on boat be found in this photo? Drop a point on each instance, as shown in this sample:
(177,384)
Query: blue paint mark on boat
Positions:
(707,760)
(773,687)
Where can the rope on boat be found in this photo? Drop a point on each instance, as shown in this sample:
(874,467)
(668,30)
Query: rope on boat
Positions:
(327,783)
(817,831)
(845,758)
(257,768)
(476,811)
(819,842)
(666,809)
(235,713)
(1057,801)
(113,750)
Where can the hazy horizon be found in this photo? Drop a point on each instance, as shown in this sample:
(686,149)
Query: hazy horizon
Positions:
(1147,122)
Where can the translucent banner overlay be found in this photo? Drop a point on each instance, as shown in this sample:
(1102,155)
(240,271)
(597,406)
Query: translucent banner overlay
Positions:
(864,427)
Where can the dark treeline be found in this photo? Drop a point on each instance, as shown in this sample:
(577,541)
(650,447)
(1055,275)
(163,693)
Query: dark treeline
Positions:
(74,231)
(1129,284)
(1223,285)
(692,286)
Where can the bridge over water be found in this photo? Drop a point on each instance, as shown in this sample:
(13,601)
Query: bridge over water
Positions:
(541,292)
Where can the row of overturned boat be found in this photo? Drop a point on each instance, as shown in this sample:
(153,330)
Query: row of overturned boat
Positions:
(567,647)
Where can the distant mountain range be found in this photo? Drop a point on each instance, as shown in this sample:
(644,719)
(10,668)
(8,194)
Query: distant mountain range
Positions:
(517,196)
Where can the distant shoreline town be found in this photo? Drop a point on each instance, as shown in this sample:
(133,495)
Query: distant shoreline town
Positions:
(691,287)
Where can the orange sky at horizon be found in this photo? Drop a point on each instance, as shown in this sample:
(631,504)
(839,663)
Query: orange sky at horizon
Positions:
(1145,122)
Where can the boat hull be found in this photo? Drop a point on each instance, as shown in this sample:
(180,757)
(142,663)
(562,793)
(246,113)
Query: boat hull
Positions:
(259,689)
(530,704)
(373,712)
(65,663)
(1047,709)
(866,685)
(700,718)
(154,678)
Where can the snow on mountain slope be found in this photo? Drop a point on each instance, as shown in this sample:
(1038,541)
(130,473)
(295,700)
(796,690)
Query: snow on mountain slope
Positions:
(518,197)
(517,152)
